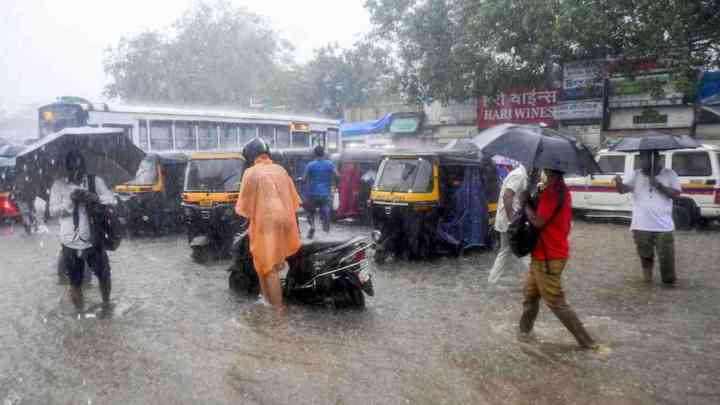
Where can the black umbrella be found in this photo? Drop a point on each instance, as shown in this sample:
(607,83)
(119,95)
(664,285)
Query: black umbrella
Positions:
(537,147)
(654,140)
(108,153)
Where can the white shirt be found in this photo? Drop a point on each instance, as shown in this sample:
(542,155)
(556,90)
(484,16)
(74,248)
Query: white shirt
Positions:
(517,181)
(652,210)
(61,205)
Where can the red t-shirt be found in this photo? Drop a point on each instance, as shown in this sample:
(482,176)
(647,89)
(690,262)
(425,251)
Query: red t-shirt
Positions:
(554,237)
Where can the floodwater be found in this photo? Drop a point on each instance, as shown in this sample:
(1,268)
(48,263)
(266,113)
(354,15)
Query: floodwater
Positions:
(435,332)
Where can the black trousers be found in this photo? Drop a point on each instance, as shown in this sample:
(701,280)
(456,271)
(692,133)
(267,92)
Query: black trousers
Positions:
(74,261)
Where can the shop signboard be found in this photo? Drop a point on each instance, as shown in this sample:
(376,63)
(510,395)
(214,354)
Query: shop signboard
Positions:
(451,114)
(578,110)
(637,92)
(709,89)
(581,93)
(651,117)
(519,106)
(582,80)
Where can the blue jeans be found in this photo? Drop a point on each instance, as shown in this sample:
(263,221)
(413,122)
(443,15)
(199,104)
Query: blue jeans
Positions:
(323,204)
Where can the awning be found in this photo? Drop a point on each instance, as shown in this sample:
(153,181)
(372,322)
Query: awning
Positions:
(365,127)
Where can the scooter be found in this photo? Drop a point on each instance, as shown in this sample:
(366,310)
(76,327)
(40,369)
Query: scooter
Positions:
(336,274)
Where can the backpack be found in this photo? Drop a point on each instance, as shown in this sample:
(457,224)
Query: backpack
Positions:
(523,236)
(107,229)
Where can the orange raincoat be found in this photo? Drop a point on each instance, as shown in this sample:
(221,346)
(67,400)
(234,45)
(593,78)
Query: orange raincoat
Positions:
(268,199)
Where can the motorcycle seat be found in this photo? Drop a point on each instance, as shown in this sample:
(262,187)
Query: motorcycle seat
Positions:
(320,245)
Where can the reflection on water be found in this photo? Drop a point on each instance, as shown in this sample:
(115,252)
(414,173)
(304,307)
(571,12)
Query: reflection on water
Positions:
(434,333)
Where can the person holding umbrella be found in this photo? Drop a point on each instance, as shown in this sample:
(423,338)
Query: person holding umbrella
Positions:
(654,188)
(551,216)
(73,199)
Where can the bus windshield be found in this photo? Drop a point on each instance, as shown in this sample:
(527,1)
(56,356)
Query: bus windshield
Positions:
(56,117)
(406,175)
(147,173)
(214,175)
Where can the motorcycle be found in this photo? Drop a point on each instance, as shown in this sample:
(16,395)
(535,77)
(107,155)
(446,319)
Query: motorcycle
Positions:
(336,274)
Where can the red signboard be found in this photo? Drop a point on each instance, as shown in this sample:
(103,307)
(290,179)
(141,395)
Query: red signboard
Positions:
(519,106)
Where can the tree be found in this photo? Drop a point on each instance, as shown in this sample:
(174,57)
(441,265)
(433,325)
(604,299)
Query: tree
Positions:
(458,49)
(215,54)
(336,79)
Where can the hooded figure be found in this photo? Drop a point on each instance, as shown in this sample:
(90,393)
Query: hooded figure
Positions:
(269,201)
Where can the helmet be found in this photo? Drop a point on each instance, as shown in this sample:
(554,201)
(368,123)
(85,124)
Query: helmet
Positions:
(255,148)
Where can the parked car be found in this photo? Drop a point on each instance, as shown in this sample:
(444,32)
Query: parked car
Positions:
(699,171)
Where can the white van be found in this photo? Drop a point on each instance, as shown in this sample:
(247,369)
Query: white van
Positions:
(698,169)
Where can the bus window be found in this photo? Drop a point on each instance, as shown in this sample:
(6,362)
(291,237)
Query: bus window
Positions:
(283,137)
(247,133)
(333,139)
(229,136)
(184,135)
(160,135)
(317,138)
(268,134)
(143,141)
(207,136)
(300,140)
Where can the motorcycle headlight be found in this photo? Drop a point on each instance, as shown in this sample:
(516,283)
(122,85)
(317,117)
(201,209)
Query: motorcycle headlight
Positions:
(376,235)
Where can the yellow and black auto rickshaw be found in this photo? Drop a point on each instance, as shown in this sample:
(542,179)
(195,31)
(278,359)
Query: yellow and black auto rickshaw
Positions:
(430,202)
(151,201)
(212,185)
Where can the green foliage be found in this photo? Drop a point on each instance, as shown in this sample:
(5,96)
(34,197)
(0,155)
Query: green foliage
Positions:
(222,55)
(336,79)
(458,49)
(216,54)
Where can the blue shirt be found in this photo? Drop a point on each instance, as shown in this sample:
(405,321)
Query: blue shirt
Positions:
(319,176)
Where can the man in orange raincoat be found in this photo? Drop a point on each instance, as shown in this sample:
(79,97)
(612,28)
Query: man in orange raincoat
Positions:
(268,200)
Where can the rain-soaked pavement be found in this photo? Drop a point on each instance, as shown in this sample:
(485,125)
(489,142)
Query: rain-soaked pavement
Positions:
(434,333)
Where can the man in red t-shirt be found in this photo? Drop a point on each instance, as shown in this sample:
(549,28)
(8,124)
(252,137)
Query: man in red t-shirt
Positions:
(549,257)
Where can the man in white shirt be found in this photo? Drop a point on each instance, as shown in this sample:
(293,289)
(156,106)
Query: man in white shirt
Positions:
(652,221)
(512,195)
(73,201)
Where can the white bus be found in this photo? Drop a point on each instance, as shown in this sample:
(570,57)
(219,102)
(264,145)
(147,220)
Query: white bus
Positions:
(159,129)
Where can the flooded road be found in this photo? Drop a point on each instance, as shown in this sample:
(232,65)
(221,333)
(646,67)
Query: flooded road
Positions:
(435,332)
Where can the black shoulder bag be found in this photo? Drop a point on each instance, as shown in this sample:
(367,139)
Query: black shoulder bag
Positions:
(106,228)
(523,236)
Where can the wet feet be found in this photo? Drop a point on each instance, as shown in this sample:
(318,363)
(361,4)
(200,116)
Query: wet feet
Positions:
(526,337)
(600,352)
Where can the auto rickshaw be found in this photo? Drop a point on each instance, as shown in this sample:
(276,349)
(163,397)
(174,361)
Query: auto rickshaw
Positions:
(152,199)
(425,203)
(212,185)
(294,160)
(357,169)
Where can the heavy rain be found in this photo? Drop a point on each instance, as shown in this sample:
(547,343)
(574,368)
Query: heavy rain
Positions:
(425,202)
